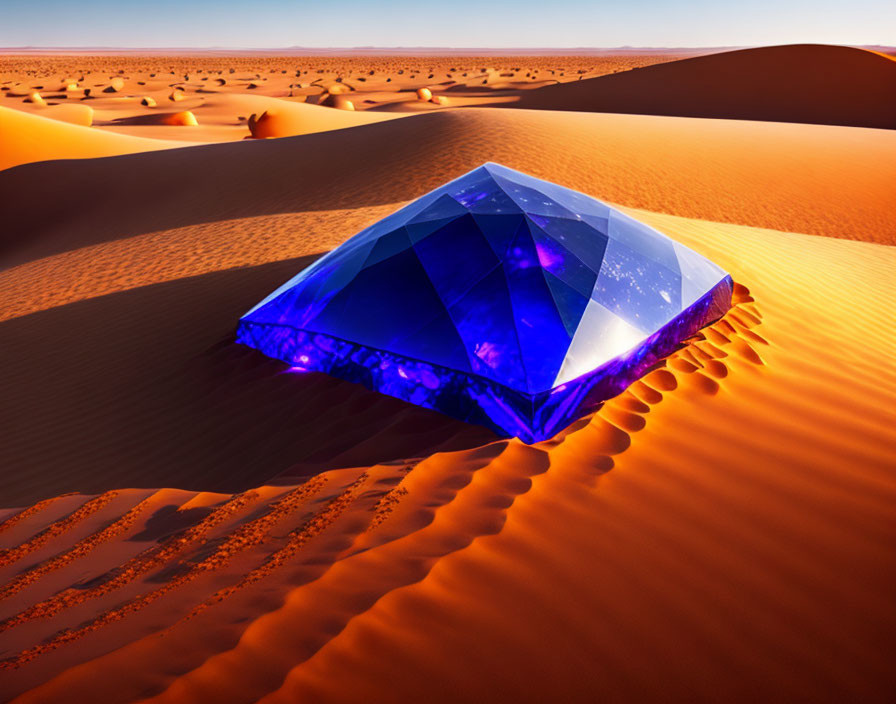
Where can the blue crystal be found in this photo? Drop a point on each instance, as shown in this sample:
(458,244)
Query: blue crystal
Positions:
(498,299)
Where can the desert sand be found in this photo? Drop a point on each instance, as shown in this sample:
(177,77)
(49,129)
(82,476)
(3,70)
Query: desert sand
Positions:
(133,94)
(812,83)
(185,520)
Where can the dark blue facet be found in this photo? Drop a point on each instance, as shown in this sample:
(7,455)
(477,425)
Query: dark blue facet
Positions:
(357,311)
(387,246)
(456,257)
(499,299)
(539,327)
(560,242)
(570,303)
(494,350)
(577,237)
(499,230)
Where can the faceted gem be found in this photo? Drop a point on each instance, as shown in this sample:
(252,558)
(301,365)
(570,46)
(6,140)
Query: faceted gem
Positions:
(499,299)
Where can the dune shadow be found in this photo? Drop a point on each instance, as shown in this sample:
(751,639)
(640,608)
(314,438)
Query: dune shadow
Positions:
(145,388)
(153,118)
(111,198)
(800,83)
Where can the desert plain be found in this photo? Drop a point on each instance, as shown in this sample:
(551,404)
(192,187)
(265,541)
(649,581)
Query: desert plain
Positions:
(185,520)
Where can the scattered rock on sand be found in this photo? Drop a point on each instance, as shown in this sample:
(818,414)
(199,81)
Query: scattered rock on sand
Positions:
(424,94)
(337,101)
(260,125)
(148,102)
(35,97)
(176,95)
(180,119)
(115,85)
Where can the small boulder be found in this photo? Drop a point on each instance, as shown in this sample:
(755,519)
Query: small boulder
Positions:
(180,119)
(115,85)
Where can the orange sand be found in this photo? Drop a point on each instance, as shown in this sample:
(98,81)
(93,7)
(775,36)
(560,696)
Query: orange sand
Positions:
(722,531)
(832,85)
(125,91)
(27,138)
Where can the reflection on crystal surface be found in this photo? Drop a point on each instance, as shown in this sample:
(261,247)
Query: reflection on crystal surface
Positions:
(499,299)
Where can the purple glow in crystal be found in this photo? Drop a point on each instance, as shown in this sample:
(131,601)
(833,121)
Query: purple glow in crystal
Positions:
(499,299)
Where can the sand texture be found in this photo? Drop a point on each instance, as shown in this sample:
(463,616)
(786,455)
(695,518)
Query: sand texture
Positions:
(184,520)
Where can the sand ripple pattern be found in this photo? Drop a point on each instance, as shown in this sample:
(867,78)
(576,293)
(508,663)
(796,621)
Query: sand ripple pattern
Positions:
(285,545)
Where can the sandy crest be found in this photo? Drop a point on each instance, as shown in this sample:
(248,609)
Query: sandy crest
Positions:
(814,83)
(27,138)
(818,179)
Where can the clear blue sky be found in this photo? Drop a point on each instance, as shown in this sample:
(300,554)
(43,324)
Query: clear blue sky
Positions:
(448,23)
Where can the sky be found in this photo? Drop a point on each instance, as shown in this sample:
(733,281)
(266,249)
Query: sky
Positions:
(447,23)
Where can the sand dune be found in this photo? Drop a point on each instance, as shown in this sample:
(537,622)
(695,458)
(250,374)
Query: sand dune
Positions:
(35,98)
(813,83)
(29,138)
(762,174)
(818,84)
(694,495)
(177,119)
(272,117)
(120,89)
(73,113)
(184,520)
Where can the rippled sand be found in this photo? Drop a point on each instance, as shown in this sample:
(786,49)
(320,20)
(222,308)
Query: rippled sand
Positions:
(184,521)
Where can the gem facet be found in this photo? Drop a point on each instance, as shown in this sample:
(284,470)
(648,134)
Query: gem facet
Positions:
(499,299)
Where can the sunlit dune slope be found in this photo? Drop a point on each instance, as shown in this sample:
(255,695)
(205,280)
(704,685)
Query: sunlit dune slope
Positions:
(826,180)
(813,83)
(27,138)
(719,532)
(283,118)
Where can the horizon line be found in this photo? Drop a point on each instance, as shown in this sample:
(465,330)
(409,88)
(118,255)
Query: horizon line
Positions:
(382,49)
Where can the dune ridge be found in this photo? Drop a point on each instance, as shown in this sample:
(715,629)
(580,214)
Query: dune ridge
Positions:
(31,138)
(810,83)
(761,174)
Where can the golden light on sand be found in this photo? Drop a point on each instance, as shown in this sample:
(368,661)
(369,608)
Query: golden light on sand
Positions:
(183,519)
